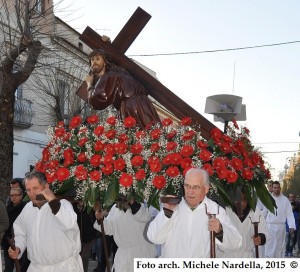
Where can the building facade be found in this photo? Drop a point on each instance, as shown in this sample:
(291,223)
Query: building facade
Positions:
(48,96)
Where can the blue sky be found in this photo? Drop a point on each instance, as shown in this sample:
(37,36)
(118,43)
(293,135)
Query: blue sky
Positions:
(267,78)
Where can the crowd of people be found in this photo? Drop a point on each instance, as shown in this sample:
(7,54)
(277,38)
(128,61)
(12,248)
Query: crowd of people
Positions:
(44,233)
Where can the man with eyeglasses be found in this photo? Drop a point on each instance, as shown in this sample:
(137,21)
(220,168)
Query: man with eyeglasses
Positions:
(183,229)
(14,208)
(47,227)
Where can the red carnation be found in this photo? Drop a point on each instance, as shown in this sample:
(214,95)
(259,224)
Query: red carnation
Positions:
(219,163)
(98,130)
(188,135)
(62,174)
(93,119)
(123,137)
(53,164)
(232,176)
(155,134)
(208,168)
(40,167)
(51,177)
(155,147)
(172,158)
(111,120)
(126,180)
(171,146)
(121,148)
(110,134)
(98,146)
(60,132)
(186,162)
(82,141)
(68,153)
(186,151)
(108,159)
(172,134)
(136,148)
(247,174)
(68,161)
(173,171)
(202,144)
(226,147)
(81,172)
(60,124)
(82,157)
(227,138)
(129,122)
(205,155)
(107,169)
(95,175)
(137,161)
(46,154)
(159,182)
(186,121)
(110,149)
(167,122)
(140,174)
(75,122)
(236,163)
(216,134)
(119,164)
(222,172)
(155,167)
(139,134)
(95,160)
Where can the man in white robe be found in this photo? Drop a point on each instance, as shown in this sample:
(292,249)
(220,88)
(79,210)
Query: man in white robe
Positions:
(275,247)
(183,230)
(245,225)
(260,206)
(128,224)
(48,229)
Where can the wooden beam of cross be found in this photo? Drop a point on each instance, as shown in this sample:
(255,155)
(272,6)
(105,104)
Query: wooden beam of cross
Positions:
(157,90)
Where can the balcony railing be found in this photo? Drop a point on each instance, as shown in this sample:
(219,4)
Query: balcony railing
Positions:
(23,113)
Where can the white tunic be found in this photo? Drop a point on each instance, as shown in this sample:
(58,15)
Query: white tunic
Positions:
(186,234)
(275,247)
(246,229)
(52,241)
(129,234)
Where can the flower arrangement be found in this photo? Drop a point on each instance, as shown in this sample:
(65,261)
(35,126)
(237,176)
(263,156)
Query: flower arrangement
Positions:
(104,160)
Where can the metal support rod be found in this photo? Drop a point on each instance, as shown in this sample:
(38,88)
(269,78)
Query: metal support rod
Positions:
(12,244)
(98,208)
(104,245)
(255,224)
(212,234)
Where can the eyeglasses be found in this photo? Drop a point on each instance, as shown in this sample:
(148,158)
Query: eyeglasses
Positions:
(15,195)
(195,188)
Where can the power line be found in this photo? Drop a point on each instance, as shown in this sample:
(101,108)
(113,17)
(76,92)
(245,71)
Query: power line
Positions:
(285,151)
(213,51)
(277,143)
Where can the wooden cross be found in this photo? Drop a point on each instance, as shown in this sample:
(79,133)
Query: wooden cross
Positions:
(157,90)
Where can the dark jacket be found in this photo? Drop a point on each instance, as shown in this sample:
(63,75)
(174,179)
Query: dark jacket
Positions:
(85,222)
(13,212)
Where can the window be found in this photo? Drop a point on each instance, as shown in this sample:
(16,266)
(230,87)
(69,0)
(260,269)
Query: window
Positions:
(64,97)
(19,92)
